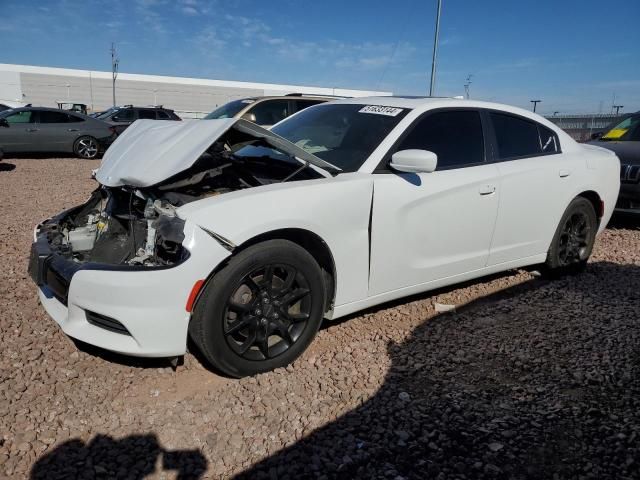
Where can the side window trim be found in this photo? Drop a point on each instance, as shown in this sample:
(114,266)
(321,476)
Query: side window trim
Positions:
(383,166)
(494,141)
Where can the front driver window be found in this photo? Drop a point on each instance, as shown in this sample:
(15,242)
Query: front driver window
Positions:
(20,117)
(454,136)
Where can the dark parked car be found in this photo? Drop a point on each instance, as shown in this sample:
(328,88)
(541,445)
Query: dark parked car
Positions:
(4,107)
(624,140)
(40,129)
(122,117)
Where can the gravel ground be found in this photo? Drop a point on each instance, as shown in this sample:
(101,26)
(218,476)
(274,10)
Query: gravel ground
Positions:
(526,379)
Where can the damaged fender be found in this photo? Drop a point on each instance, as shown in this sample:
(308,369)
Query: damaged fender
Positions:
(335,209)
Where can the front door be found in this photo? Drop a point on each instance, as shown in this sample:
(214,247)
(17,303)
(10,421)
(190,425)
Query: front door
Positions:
(431,226)
(21,134)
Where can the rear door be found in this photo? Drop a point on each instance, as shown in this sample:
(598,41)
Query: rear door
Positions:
(20,135)
(537,181)
(57,132)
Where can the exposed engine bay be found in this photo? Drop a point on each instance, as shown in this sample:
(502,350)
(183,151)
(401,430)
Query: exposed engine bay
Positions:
(140,227)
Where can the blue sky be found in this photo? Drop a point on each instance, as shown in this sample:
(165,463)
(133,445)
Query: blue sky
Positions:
(574,55)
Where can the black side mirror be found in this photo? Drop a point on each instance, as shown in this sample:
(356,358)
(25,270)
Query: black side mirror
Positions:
(597,135)
(4,123)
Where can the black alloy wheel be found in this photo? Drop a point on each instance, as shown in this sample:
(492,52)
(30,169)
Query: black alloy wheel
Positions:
(268,312)
(573,241)
(261,310)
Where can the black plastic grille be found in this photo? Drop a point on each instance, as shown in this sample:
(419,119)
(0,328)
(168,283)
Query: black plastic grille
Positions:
(105,322)
(630,173)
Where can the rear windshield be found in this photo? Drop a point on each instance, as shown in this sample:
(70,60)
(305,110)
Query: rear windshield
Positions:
(341,134)
(229,110)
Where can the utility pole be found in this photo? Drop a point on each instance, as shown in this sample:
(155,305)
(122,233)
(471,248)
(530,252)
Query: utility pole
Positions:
(617,107)
(467,85)
(435,51)
(114,70)
(535,103)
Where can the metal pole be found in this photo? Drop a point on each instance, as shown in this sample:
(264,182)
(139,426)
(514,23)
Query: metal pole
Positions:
(114,70)
(535,103)
(435,51)
(91,90)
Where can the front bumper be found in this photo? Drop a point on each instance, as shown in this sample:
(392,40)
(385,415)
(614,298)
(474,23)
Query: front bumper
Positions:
(91,303)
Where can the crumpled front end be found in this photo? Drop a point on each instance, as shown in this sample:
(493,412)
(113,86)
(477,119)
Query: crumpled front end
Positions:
(127,308)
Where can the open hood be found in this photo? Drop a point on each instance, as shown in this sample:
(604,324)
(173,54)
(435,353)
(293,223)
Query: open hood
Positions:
(150,151)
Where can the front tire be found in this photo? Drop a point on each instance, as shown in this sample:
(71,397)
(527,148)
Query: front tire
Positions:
(86,147)
(573,241)
(261,311)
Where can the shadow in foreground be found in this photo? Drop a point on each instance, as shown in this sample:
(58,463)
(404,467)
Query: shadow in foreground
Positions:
(133,457)
(6,167)
(538,381)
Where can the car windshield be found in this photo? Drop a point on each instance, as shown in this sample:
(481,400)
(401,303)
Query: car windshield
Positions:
(229,110)
(623,130)
(108,113)
(341,134)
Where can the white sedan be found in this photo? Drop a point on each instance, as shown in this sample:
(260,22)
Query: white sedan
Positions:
(245,239)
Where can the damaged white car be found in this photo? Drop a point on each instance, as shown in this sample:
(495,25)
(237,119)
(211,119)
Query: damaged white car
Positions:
(246,239)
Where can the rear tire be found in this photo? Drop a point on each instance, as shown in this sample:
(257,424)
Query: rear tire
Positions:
(261,311)
(573,241)
(86,147)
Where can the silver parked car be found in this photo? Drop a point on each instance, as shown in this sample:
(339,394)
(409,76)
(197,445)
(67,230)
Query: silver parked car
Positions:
(40,129)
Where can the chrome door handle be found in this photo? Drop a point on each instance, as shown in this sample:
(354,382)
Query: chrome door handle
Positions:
(31,129)
(564,173)
(486,190)
(72,130)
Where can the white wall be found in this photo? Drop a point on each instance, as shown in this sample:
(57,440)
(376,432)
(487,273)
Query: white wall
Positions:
(189,97)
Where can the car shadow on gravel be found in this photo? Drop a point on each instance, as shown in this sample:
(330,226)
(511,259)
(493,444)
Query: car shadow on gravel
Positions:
(541,380)
(7,167)
(133,457)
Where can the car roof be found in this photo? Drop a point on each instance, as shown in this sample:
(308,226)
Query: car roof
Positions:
(45,109)
(429,103)
(291,97)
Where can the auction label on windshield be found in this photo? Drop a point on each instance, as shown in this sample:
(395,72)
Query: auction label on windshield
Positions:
(381,110)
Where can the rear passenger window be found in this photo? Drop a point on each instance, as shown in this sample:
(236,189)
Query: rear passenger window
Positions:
(163,115)
(47,116)
(302,104)
(548,140)
(270,112)
(455,137)
(516,137)
(147,114)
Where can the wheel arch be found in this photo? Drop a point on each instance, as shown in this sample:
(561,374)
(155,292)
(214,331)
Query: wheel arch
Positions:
(596,201)
(313,244)
(306,239)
